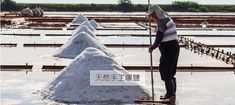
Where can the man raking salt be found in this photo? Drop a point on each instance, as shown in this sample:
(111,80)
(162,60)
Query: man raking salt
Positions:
(166,41)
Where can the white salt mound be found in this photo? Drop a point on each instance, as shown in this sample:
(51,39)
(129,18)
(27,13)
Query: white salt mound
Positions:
(79,19)
(77,44)
(73,83)
(83,28)
(85,24)
(94,23)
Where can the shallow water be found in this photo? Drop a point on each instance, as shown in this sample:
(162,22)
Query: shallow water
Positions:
(196,88)
(107,39)
(126,56)
(18,88)
(141,32)
(140,56)
(215,40)
(232,50)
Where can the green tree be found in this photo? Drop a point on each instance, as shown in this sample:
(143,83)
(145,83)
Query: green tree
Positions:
(125,5)
(8,5)
(203,9)
(184,6)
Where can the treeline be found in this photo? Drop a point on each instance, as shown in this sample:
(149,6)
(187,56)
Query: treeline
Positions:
(123,5)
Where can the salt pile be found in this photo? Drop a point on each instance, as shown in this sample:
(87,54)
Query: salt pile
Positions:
(79,19)
(94,23)
(77,44)
(73,83)
(85,24)
(83,28)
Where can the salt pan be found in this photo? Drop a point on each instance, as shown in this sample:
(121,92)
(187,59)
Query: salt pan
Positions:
(77,44)
(79,19)
(73,83)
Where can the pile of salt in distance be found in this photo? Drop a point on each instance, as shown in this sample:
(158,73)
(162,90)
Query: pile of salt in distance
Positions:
(77,44)
(83,28)
(93,23)
(85,24)
(79,20)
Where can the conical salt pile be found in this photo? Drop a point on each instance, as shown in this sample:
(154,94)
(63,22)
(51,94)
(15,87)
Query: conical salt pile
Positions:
(83,28)
(79,19)
(94,23)
(85,24)
(77,44)
(73,83)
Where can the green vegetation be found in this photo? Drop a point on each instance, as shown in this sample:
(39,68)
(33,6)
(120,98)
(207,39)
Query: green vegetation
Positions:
(123,5)
(70,7)
(185,6)
(8,5)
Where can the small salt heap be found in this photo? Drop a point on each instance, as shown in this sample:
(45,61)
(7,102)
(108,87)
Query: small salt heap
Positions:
(94,23)
(79,19)
(77,44)
(73,83)
(204,24)
(83,28)
(85,24)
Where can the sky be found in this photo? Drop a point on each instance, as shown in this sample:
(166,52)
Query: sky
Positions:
(133,1)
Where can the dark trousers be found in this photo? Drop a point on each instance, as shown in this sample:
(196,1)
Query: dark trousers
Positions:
(169,58)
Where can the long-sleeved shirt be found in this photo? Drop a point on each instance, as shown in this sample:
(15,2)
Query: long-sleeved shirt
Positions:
(166,31)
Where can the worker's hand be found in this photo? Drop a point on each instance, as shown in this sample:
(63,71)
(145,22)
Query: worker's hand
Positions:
(148,17)
(150,49)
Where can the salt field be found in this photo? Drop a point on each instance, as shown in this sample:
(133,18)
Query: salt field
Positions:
(116,1)
(205,75)
(20,88)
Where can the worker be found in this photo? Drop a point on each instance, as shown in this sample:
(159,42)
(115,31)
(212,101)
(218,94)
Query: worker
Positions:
(167,42)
